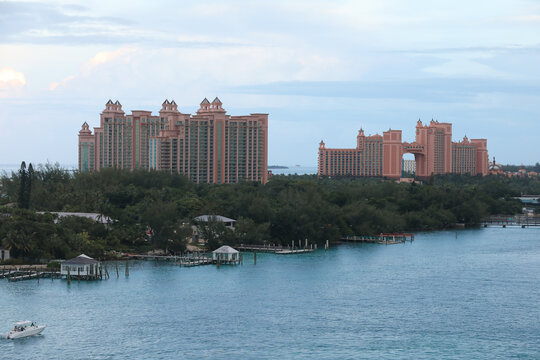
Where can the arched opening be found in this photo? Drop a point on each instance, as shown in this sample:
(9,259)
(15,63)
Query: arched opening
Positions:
(408,166)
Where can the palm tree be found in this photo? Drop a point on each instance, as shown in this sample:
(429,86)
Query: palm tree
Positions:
(19,240)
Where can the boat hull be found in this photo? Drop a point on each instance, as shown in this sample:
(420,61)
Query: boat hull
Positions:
(36,330)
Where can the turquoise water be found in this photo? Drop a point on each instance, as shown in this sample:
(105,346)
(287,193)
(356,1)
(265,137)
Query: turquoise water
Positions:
(476,296)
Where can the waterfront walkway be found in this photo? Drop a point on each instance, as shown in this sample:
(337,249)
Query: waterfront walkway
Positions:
(27,272)
(194,259)
(276,249)
(512,220)
(387,239)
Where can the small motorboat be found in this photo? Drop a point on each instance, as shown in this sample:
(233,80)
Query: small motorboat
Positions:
(24,329)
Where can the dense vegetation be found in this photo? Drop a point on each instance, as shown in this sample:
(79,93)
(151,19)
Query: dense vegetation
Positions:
(156,210)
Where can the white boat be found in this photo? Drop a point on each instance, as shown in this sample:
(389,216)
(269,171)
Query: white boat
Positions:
(24,329)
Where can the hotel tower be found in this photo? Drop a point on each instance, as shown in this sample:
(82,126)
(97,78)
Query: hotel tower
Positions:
(381,156)
(209,147)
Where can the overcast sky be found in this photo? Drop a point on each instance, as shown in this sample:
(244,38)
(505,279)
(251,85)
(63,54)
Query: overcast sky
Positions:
(321,69)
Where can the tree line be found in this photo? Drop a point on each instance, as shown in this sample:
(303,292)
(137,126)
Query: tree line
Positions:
(156,209)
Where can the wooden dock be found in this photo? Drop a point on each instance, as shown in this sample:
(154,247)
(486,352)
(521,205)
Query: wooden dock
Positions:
(188,260)
(35,275)
(520,220)
(293,251)
(276,249)
(386,239)
(25,272)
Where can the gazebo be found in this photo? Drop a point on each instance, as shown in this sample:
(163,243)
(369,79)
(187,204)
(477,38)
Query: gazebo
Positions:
(82,266)
(226,253)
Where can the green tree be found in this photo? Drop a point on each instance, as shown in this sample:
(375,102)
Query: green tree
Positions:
(213,232)
(23,186)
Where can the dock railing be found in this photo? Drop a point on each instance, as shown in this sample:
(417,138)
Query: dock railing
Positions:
(383,238)
(521,220)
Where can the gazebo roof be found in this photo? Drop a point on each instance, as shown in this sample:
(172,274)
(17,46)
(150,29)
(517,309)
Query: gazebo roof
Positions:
(225,249)
(81,260)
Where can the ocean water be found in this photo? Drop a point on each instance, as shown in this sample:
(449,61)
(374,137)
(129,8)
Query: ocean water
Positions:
(296,170)
(471,296)
(291,170)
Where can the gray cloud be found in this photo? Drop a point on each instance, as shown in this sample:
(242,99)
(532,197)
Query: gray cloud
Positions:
(17,18)
(38,23)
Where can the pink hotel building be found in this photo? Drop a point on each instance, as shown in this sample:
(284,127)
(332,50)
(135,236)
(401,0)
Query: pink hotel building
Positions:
(380,156)
(209,147)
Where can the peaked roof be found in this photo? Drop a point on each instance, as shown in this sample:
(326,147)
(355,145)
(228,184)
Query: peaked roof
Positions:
(109,102)
(217,101)
(117,102)
(166,101)
(172,102)
(205,101)
(225,249)
(220,218)
(81,259)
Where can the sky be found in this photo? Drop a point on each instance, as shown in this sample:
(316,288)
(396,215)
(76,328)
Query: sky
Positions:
(321,69)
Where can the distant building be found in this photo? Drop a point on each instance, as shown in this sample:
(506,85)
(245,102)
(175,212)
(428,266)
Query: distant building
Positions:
(209,147)
(196,236)
(99,218)
(381,156)
(494,168)
(408,166)
(4,254)
(225,220)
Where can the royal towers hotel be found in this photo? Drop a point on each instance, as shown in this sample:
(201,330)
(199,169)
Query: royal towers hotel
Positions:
(381,156)
(209,147)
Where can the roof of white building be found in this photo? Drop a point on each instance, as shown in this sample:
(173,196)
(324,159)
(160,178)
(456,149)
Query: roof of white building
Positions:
(225,249)
(81,260)
(100,218)
(219,218)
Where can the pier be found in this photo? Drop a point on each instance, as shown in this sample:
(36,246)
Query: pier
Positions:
(520,220)
(276,249)
(35,275)
(194,259)
(387,239)
(25,272)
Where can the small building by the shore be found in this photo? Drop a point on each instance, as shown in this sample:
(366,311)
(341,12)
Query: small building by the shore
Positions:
(4,254)
(225,253)
(199,220)
(81,266)
(229,223)
(99,218)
